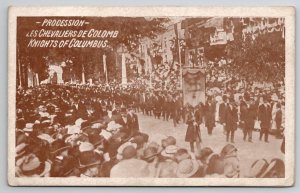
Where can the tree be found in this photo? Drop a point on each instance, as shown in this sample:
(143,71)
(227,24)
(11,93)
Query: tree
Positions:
(261,59)
(131,31)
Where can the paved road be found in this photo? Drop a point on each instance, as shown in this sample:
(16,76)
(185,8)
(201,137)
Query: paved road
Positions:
(157,129)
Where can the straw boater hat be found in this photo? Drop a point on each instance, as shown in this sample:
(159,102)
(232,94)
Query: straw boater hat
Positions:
(97,125)
(113,126)
(107,135)
(28,127)
(79,122)
(87,156)
(169,151)
(46,138)
(86,146)
(187,168)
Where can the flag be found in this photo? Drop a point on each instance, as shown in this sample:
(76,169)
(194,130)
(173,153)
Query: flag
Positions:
(105,67)
(83,76)
(124,72)
(176,43)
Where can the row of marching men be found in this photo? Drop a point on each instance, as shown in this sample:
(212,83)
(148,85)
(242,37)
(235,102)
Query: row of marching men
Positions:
(247,114)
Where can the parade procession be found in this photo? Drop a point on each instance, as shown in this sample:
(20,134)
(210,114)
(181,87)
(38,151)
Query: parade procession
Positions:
(150,97)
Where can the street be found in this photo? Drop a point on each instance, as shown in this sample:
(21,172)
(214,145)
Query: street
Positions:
(157,129)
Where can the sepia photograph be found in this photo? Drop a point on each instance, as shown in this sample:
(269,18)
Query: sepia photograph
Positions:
(163,99)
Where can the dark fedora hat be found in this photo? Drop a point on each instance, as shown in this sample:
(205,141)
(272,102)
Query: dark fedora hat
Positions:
(58,146)
(150,153)
(89,159)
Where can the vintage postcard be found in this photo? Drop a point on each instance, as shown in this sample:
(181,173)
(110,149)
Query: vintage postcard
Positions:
(151,96)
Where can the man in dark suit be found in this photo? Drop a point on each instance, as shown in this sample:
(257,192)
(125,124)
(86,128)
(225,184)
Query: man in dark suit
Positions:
(112,115)
(124,122)
(243,106)
(193,134)
(247,118)
(264,117)
(222,108)
(132,121)
(174,108)
(230,120)
(199,113)
(209,115)
(79,109)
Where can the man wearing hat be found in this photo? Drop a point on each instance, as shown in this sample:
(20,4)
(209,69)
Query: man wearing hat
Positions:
(88,160)
(167,166)
(132,121)
(193,134)
(209,115)
(248,116)
(222,108)
(229,156)
(264,117)
(230,120)
(130,166)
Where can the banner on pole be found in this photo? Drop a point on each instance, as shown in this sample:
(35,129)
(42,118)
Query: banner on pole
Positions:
(193,86)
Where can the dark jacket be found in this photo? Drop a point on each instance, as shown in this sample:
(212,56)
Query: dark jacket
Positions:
(231,118)
(249,116)
(193,131)
(133,123)
(265,116)
(222,112)
(209,115)
(278,118)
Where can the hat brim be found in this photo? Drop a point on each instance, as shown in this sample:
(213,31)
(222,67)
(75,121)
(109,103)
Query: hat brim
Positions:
(20,154)
(150,156)
(60,150)
(269,168)
(82,166)
(165,154)
(46,170)
(187,175)
(258,169)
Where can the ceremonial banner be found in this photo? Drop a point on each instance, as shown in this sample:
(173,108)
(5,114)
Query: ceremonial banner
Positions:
(193,86)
